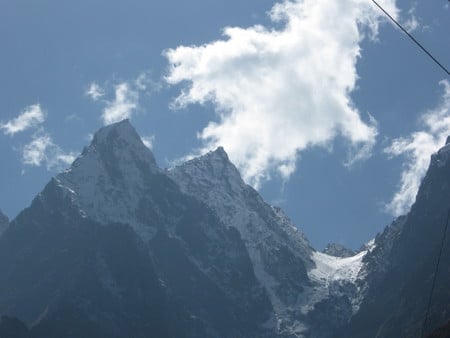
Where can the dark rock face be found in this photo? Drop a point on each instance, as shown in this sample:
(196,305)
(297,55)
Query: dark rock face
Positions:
(70,270)
(397,298)
(441,332)
(13,328)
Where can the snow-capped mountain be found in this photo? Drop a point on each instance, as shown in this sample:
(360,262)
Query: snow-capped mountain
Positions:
(300,281)
(4,222)
(108,181)
(114,246)
(280,253)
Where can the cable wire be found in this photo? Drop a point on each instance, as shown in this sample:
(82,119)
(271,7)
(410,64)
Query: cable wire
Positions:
(412,37)
(435,275)
(448,214)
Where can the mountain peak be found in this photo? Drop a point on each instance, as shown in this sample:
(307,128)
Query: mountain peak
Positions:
(111,175)
(122,130)
(220,152)
(218,160)
(215,165)
(338,250)
(219,155)
(120,140)
(211,173)
(443,154)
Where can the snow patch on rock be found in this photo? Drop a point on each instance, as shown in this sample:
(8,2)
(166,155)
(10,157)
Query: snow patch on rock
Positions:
(107,181)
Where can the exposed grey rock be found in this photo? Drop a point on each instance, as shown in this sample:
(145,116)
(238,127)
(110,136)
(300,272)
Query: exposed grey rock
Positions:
(338,250)
(279,252)
(114,246)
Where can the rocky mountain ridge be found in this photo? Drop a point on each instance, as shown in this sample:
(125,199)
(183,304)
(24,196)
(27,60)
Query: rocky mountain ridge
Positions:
(338,250)
(115,246)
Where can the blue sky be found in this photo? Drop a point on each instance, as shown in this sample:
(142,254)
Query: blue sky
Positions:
(327,108)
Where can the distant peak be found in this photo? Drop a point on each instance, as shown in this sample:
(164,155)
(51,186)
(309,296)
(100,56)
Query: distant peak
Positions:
(214,164)
(121,137)
(110,174)
(216,158)
(220,152)
(338,250)
(116,148)
(448,140)
(122,129)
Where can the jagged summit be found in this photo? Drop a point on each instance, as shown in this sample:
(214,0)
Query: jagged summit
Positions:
(220,151)
(122,129)
(442,156)
(214,161)
(121,137)
(272,241)
(110,177)
(211,172)
(118,245)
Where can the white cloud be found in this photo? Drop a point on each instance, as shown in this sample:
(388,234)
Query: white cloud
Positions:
(280,91)
(30,117)
(418,148)
(126,96)
(148,141)
(412,22)
(123,105)
(42,150)
(144,82)
(94,91)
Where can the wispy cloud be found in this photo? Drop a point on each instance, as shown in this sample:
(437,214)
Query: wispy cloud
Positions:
(411,23)
(280,91)
(145,83)
(30,117)
(123,106)
(43,151)
(95,92)
(148,141)
(417,148)
(126,96)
